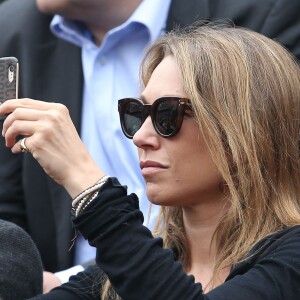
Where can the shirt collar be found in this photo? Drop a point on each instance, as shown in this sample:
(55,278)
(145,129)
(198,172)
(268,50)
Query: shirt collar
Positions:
(150,13)
(71,31)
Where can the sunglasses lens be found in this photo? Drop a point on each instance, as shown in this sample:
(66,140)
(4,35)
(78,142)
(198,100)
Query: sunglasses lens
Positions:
(132,118)
(166,117)
(166,114)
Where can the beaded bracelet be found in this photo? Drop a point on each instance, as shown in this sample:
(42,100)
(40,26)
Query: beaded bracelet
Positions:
(89,190)
(87,196)
(82,207)
(76,209)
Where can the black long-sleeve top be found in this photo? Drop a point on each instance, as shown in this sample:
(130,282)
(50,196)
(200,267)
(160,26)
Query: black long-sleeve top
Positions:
(139,268)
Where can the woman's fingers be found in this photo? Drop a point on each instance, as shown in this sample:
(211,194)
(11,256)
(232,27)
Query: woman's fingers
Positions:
(27,109)
(20,114)
(52,140)
(19,127)
(21,146)
(10,105)
(36,116)
(22,110)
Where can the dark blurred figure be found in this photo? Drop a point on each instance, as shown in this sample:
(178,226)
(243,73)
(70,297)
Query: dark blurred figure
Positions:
(20,264)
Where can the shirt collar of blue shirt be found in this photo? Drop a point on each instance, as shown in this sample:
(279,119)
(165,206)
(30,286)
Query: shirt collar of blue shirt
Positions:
(151,14)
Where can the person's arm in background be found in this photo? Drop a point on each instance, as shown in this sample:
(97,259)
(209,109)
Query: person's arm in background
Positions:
(12,205)
(52,280)
(84,285)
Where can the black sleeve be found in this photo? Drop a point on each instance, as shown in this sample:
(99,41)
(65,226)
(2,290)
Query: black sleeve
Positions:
(140,268)
(11,187)
(85,285)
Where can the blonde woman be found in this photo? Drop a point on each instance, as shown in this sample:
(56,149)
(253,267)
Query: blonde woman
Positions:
(217,130)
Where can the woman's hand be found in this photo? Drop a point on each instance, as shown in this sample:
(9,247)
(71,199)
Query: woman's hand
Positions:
(52,140)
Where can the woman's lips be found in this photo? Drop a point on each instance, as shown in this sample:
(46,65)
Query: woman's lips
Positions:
(151,167)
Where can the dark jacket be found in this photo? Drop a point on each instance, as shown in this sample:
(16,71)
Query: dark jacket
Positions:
(139,268)
(50,70)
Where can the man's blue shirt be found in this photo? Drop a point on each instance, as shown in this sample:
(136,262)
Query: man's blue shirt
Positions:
(111,72)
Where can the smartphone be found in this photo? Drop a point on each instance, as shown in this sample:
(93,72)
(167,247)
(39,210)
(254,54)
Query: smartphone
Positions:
(9,79)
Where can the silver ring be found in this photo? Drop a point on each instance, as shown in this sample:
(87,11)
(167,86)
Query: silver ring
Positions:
(23,146)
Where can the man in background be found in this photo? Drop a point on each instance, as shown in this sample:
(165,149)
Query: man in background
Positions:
(86,55)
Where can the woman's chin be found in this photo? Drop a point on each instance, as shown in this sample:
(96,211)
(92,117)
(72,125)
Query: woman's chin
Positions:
(157,195)
(154,194)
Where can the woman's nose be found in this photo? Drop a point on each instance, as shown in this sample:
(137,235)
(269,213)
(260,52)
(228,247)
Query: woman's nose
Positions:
(146,136)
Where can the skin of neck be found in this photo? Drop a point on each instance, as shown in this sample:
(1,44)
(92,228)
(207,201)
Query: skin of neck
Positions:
(200,223)
(99,20)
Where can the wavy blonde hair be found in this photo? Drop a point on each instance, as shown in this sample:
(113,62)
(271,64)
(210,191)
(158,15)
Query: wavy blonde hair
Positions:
(245,93)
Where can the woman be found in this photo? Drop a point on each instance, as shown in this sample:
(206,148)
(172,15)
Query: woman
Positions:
(217,131)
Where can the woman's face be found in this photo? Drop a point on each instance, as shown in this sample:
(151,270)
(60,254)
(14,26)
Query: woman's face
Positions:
(177,170)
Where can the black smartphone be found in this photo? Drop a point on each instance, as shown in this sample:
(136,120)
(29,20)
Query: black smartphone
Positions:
(9,79)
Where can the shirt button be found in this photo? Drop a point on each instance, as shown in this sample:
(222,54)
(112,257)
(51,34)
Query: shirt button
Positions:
(102,60)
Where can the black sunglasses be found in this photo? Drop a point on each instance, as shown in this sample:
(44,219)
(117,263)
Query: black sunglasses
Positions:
(166,115)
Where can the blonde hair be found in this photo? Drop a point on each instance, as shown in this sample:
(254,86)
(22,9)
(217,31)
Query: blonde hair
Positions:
(245,93)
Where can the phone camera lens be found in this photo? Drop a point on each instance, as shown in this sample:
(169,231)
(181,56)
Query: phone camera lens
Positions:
(11,68)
